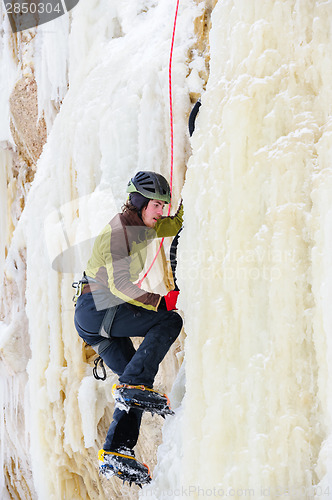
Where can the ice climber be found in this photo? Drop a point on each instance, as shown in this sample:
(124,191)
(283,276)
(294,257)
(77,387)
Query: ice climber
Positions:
(112,308)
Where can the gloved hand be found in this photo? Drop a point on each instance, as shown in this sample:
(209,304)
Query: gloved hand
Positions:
(171,299)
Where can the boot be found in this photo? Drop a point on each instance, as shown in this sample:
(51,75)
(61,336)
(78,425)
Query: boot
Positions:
(142,397)
(123,464)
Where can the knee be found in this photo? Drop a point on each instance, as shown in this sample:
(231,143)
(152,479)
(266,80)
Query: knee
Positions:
(178,320)
(175,323)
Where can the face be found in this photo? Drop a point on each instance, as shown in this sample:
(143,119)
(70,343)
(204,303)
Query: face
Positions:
(152,212)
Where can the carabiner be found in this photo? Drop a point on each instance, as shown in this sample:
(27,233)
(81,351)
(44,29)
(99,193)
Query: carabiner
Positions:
(95,369)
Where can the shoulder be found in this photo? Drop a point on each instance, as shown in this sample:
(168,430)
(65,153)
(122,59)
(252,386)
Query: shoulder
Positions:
(129,218)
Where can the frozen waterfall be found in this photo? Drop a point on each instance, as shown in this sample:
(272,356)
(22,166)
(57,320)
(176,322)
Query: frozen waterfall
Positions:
(250,378)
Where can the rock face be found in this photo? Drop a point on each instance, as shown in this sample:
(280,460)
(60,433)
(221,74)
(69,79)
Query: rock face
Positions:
(19,155)
(28,131)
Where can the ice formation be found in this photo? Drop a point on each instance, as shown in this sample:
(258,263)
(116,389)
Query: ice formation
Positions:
(253,412)
(255,285)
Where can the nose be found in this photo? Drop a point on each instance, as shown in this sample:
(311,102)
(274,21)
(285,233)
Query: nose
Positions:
(160,211)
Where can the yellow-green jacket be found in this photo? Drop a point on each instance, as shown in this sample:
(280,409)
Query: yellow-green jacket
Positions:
(119,254)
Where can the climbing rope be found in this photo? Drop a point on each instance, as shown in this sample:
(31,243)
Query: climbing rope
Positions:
(171,102)
(172,136)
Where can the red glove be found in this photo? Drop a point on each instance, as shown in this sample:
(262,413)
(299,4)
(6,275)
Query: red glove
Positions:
(171,299)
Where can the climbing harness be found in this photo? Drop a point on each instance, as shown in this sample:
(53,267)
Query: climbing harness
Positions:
(106,325)
(104,331)
(78,285)
(139,284)
(84,285)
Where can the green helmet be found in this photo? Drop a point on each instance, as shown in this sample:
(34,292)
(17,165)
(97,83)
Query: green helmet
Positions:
(151,185)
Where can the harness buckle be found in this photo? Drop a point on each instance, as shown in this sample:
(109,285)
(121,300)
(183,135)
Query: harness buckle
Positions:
(78,285)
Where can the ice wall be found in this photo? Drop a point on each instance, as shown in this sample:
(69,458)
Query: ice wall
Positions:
(254,259)
(255,262)
(102,78)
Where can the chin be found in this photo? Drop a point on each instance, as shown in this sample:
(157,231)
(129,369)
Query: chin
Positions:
(149,224)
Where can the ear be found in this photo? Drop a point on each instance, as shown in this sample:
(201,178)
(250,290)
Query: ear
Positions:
(143,209)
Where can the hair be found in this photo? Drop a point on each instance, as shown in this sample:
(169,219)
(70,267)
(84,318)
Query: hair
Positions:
(129,207)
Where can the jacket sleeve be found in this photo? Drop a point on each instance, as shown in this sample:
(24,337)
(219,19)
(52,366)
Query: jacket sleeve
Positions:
(171,225)
(117,260)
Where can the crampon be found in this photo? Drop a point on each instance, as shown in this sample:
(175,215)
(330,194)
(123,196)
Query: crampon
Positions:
(144,398)
(125,467)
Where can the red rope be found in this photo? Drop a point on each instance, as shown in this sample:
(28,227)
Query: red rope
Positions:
(171,102)
(172,136)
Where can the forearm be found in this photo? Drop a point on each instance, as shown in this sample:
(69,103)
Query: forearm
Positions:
(170,225)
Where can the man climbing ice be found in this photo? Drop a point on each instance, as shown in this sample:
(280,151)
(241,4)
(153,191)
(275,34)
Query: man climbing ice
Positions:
(112,308)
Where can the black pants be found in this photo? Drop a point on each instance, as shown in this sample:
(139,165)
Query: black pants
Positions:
(159,329)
